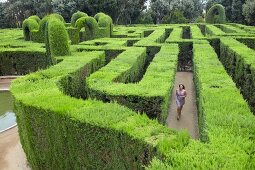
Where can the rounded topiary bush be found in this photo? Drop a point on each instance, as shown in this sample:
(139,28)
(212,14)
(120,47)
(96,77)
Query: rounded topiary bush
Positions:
(57,41)
(104,21)
(216,14)
(90,24)
(76,16)
(46,18)
(28,26)
(35,17)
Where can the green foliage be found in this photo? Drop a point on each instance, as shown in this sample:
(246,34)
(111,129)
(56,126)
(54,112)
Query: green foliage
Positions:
(216,14)
(91,134)
(90,24)
(35,17)
(249,12)
(148,96)
(28,26)
(144,18)
(176,17)
(76,16)
(57,40)
(200,19)
(62,126)
(239,62)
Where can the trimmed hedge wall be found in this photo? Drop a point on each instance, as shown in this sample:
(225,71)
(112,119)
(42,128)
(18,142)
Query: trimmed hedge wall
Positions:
(20,62)
(239,62)
(226,124)
(70,133)
(151,94)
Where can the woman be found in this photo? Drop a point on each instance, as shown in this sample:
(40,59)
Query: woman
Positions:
(180,99)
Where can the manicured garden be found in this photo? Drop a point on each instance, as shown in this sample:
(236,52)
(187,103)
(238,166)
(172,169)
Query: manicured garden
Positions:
(96,95)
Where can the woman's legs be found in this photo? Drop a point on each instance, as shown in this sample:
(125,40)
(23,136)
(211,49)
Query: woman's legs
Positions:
(179,112)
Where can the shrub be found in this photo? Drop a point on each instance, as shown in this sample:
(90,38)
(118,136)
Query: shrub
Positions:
(91,26)
(144,18)
(200,19)
(76,16)
(216,15)
(28,26)
(176,17)
(35,17)
(69,133)
(57,38)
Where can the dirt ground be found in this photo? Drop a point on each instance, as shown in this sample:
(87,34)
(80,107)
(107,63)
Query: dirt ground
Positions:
(12,156)
(5,82)
(188,118)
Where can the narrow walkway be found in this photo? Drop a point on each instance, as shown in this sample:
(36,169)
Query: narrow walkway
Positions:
(12,156)
(5,82)
(188,118)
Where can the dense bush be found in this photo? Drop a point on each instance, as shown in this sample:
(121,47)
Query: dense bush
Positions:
(200,19)
(216,14)
(35,17)
(57,41)
(61,126)
(238,61)
(29,25)
(175,17)
(72,133)
(76,16)
(225,122)
(20,62)
(144,18)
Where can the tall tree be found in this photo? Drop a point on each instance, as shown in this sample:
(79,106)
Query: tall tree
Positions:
(236,10)
(249,11)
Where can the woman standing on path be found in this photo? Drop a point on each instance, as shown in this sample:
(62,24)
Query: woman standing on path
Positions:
(180,99)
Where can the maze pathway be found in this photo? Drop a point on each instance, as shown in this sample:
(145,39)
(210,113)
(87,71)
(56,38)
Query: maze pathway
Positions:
(188,118)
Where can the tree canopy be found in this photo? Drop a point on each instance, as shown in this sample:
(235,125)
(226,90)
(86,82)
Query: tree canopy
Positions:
(13,12)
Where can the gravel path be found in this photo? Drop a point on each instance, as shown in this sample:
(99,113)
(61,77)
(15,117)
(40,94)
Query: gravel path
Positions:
(188,118)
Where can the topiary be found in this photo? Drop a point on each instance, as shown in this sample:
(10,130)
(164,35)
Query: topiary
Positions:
(90,24)
(76,16)
(104,21)
(43,22)
(35,17)
(216,14)
(57,41)
(28,26)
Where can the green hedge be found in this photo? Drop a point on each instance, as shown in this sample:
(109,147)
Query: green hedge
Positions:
(20,62)
(29,25)
(70,133)
(216,15)
(212,30)
(238,60)
(150,94)
(196,33)
(56,38)
(226,124)
(76,16)
(158,36)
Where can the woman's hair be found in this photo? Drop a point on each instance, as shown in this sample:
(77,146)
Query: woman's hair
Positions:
(182,86)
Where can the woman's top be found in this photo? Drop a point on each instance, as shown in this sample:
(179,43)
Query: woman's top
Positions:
(180,97)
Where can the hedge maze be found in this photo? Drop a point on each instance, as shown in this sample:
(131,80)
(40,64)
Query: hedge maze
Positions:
(96,96)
